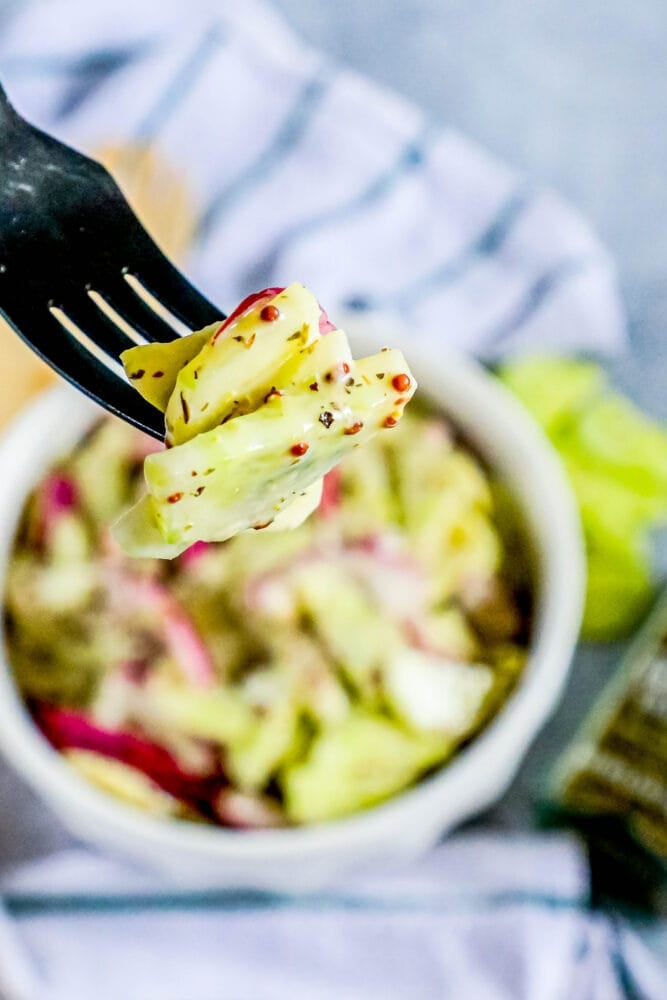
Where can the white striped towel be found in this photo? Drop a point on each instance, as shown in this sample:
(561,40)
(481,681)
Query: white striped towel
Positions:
(482,918)
(305,170)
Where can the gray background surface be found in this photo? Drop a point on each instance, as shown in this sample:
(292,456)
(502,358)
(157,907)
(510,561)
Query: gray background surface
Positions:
(573,92)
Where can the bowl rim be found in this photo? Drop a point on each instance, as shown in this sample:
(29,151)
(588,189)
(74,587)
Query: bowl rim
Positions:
(486,764)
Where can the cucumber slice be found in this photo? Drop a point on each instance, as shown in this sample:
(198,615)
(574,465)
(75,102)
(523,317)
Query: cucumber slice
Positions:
(242,474)
(296,512)
(554,389)
(619,441)
(619,590)
(123,782)
(316,688)
(610,511)
(367,486)
(219,715)
(357,764)
(138,534)
(101,471)
(153,368)
(252,761)
(432,694)
(234,371)
(354,631)
(317,364)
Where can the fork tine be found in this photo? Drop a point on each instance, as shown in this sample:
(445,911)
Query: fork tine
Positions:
(148,325)
(103,331)
(167,284)
(76,364)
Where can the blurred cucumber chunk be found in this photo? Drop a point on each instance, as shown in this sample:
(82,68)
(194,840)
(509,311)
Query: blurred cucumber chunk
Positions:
(616,460)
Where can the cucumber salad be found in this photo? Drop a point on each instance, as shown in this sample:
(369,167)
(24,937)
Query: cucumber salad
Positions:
(276,678)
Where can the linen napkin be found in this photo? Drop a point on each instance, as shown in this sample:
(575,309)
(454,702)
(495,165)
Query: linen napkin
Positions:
(484,917)
(302,169)
(299,168)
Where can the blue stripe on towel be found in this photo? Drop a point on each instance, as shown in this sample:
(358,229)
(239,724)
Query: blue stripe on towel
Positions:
(534,298)
(83,74)
(486,244)
(92,73)
(284,141)
(410,158)
(71,63)
(26,905)
(624,976)
(182,83)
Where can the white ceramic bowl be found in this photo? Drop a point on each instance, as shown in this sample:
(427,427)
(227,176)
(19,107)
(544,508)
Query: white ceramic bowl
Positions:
(406,825)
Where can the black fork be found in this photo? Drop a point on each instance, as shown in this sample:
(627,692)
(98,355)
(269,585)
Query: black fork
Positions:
(80,278)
